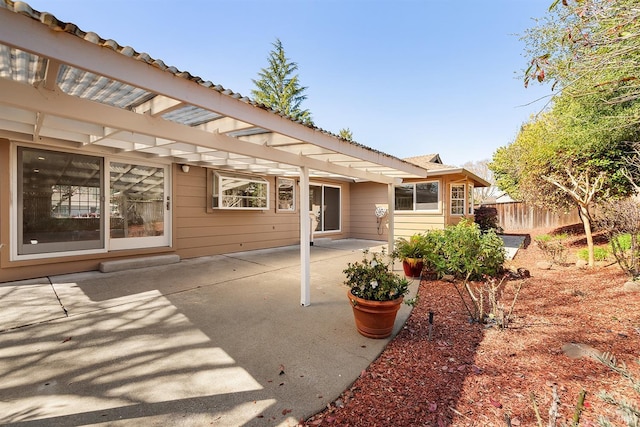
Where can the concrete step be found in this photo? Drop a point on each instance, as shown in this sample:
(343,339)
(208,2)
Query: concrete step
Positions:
(132,263)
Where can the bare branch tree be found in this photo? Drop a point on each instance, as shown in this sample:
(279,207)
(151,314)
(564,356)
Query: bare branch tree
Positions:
(582,190)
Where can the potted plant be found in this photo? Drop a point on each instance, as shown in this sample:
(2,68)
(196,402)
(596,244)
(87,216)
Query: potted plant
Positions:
(375,293)
(411,252)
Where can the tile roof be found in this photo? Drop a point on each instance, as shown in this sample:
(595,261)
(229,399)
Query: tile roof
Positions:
(433,164)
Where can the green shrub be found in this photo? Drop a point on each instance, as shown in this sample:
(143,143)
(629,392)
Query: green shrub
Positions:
(622,241)
(433,252)
(464,251)
(599,254)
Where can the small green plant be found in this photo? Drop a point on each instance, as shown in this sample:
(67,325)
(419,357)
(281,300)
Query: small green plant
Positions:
(411,248)
(621,241)
(552,247)
(373,278)
(599,254)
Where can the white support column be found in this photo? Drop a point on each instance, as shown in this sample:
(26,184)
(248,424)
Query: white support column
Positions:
(305,238)
(391,201)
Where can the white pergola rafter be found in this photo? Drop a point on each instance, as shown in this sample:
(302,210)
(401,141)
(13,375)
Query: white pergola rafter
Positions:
(59,104)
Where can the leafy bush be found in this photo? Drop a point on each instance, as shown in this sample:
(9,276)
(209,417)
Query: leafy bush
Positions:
(487,218)
(434,261)
(599,254)
(464,251)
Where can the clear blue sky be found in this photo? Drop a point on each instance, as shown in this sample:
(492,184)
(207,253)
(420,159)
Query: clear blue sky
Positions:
(408,77)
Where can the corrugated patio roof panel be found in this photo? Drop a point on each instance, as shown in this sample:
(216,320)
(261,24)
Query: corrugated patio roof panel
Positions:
(90,86)
(21,66)
(191,116)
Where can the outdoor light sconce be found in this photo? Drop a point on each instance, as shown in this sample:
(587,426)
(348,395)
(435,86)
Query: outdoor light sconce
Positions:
(185,168)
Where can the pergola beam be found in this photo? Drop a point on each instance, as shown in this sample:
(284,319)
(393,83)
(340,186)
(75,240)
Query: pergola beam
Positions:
(59,104)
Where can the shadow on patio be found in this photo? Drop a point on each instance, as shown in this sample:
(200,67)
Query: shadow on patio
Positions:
(219,340)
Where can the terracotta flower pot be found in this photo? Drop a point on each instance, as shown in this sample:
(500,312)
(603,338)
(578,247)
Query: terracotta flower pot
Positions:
(412,267)
(374,319)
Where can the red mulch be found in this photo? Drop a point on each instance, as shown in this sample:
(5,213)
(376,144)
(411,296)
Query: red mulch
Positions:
(472,375)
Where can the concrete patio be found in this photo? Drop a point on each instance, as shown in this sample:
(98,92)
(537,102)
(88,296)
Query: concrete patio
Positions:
(220,340)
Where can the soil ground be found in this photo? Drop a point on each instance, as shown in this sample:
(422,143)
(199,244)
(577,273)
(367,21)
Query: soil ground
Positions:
(469,374)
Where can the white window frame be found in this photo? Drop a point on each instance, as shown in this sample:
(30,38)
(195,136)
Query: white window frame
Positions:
(463,199)
(139,242)
(107,243)
(219,178)
(414,204)
(470,198)
(294,195)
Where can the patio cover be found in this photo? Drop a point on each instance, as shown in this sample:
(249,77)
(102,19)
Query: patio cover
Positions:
(65,87)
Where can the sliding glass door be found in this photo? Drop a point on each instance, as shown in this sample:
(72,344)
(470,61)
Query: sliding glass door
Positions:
(324,203)
(61,204)
(137,206)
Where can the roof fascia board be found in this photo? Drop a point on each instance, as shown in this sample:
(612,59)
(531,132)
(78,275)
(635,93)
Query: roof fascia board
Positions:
(28,34)
(59,104)
(436,172)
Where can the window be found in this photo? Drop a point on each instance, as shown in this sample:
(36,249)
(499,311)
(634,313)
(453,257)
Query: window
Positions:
(137,200)
(324,203)
(421,196)
(63,207)
(59,202)
(458,199)
(286,195)
(470,200)
(231,191)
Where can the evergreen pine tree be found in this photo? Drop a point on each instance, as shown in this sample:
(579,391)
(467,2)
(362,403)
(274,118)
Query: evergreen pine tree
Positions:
(277,87)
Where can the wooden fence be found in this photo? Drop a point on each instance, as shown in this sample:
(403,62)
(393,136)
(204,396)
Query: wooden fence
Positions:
(520,216)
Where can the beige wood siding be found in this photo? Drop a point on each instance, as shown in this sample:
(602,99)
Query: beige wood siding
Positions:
(201,230)
(409,223)
(365,198)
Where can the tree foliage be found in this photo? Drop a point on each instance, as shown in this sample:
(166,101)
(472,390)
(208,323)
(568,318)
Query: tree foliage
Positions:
(346,134)
(576,152)
(590,49)
(279,88)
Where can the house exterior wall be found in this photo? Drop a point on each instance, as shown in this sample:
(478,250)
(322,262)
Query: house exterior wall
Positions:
(196,228)
(365,198)
(408,223)
(201,230)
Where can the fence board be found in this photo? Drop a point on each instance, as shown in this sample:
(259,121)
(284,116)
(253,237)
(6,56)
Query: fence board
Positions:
(520,216)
